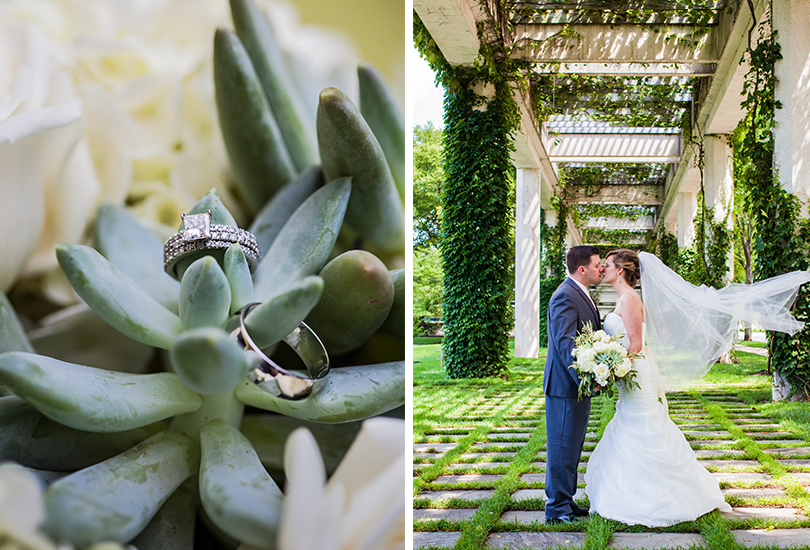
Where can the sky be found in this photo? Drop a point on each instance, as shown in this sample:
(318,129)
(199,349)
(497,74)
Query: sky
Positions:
(425,96)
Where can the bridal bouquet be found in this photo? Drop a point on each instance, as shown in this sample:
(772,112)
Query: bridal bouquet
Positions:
(601,360)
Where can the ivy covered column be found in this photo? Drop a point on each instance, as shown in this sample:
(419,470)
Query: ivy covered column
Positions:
(718,185)
(784,242)
(477,216)
(527,263)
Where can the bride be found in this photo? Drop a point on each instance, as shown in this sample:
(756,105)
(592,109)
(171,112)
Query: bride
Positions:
(643,470)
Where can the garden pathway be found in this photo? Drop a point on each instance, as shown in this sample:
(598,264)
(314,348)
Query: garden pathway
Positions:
(481,478)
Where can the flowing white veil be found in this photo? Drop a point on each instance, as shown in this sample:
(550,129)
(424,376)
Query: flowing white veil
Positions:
(688,328)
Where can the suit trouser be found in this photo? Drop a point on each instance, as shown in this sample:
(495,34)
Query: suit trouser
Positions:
(566,425)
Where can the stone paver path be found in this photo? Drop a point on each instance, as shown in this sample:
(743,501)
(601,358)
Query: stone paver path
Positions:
(494,464)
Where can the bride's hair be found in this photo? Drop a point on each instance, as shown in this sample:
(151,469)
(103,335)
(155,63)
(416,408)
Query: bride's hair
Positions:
(627,260)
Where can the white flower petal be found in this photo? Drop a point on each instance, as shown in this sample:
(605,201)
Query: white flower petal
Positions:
(380,442)
(305,492)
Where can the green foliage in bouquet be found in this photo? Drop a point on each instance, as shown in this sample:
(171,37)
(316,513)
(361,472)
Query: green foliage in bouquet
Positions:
(135,454)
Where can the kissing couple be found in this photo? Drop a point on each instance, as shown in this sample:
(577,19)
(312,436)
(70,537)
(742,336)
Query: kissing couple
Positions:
(643,471)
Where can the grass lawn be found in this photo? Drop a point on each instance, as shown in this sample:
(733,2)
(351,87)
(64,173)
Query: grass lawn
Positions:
(467,421)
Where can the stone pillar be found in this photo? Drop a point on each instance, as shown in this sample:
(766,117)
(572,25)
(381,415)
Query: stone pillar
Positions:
(687,205)
(527,263)
(718,186)
(792,133)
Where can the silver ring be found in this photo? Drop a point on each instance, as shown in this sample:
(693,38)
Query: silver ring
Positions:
(281,382)
(199,234)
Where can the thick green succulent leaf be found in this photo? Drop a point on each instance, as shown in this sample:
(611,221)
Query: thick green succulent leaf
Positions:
(136,251)
(270,322)
(268,434)
(205,295)
(348,148)
(78,335)
(272,217)
(116,499)
(394,324)
(379,108)
(304,243)
(35,441)
(116,298)
(348,394)
(12,334)
(240,280)
(207,361)
(358,293)
(236,491)
(256,34)
(91,399)
(258,155)
(172,528)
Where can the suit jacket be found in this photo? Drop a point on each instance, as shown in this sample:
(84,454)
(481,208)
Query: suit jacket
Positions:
(568,311)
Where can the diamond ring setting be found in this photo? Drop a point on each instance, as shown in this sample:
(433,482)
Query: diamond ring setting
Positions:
(199,234)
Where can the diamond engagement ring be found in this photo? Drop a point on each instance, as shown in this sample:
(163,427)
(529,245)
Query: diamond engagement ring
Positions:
(199,234)
(278,381)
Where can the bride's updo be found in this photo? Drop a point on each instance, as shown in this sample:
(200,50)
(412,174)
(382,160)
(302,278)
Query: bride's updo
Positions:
(627,260)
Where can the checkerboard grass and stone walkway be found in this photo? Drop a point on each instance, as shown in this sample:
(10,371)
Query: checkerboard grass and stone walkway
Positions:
(479,468)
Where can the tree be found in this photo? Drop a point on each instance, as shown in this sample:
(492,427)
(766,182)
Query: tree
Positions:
(427,285)
(428,178)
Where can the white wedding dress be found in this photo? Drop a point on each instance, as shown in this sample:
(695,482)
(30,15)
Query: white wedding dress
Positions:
(643,471)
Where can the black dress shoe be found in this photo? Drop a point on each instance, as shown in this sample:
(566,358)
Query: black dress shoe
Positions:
(580,512)
(563,520)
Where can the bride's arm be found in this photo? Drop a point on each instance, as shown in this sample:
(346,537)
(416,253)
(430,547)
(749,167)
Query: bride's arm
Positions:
(632,314)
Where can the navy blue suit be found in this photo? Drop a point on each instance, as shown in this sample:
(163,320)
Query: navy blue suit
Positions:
(566,418)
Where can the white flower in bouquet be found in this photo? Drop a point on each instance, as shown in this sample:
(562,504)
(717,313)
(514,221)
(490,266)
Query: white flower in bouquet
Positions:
(623,368)
(601,362)
(602,372)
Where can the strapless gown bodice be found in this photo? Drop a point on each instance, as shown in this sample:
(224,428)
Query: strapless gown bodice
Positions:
(643,471)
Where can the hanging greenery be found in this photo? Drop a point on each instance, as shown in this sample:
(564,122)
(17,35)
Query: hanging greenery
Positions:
(704,263)
(666,248)
(782,239)
(477,240)
(552,260)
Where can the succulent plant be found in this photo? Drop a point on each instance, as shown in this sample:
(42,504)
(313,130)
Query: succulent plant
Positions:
(132,455)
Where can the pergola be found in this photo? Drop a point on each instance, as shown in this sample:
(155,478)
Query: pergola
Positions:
(593,37)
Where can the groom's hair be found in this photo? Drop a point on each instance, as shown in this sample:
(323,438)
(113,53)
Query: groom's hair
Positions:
(579,256)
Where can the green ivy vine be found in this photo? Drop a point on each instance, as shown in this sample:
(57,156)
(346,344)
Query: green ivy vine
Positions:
(552,260)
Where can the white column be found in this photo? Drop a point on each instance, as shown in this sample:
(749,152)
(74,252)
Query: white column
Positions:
(527,264)
(792,133)
(718,186)
(687,205)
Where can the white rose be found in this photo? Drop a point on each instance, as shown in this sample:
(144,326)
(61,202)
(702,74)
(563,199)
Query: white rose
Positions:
(601,371)
(623,368)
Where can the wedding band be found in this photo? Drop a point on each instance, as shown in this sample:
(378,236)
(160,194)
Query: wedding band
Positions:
(199,234)
(278,381)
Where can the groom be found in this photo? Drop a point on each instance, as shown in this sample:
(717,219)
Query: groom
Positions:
(569,309)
